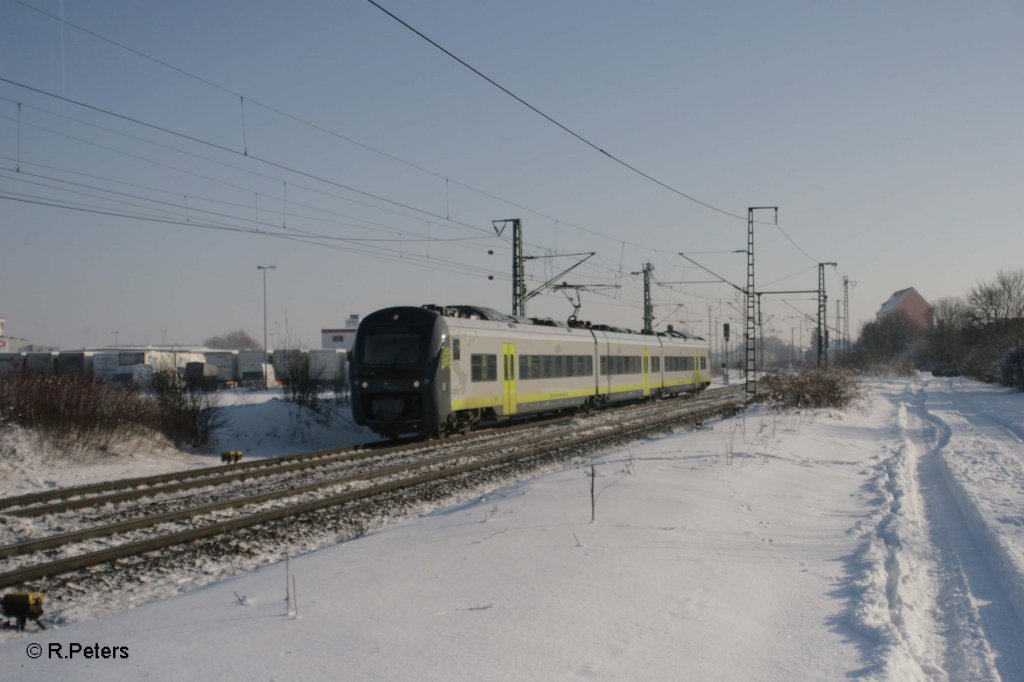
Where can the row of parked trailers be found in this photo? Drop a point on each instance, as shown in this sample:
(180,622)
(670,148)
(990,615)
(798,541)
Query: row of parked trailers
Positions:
(215,366)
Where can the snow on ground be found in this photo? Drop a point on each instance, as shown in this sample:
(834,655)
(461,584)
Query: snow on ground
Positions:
(879,543)
(259,423)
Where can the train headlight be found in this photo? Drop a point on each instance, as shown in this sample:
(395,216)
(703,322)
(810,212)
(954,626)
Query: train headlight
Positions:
(366,384)
(416,383)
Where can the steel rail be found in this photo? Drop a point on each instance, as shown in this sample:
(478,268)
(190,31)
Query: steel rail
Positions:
(208,476)
(187,479)
(53,541)
(69,564)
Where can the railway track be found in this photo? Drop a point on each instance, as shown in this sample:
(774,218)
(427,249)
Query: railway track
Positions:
(424,464)
(77,497)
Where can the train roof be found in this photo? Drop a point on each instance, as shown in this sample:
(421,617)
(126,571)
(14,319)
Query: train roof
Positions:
(471,312)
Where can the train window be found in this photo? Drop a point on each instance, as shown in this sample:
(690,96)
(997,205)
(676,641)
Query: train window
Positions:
(524,366)
(391,348)
(677,364)
(655,364)
(617,364)
(484,367)
(456,349)
(703,362)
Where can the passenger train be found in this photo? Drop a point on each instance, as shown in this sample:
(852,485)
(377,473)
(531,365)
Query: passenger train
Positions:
(437,370)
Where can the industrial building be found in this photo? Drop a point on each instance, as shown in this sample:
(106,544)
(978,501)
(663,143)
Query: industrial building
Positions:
(343,338)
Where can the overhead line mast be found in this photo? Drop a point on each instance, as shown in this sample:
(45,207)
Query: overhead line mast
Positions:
(823,315)
(750,357)
(648,305)
(519,293)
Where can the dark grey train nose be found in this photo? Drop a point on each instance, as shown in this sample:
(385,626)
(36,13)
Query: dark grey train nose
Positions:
(388,409)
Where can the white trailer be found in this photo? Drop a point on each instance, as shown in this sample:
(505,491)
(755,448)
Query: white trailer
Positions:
(42,362)
(226,362)
(327,365)
(104,365)
(11,364)
(252,364)
(159,358)
(75,363)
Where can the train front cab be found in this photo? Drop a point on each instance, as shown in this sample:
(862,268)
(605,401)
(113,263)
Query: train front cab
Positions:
(400,372)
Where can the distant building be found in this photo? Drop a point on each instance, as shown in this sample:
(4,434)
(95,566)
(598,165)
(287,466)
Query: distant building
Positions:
(909,303)
(14,344)
(341,338)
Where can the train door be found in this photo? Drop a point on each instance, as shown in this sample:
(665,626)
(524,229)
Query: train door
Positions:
(647,372)
(508,381)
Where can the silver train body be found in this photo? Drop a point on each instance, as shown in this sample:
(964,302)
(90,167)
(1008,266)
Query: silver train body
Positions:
(433,370)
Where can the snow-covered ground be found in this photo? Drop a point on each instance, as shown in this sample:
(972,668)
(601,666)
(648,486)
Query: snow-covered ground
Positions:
(259,423)
(885,542)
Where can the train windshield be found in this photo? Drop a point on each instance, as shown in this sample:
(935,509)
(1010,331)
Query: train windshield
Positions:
(393,347)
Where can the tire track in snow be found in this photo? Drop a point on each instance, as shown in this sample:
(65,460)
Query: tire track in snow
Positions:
(886,609)
(927,597)
(964,608)
(989,589)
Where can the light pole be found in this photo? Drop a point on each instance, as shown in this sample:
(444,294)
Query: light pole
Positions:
(264,268)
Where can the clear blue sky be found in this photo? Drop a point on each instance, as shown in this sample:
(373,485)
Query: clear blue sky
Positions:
(889,135)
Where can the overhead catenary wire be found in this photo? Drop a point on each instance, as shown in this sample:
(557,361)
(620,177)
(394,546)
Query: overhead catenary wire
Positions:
(276,179)
(200,175)
(236,152)
(797,246)
(244,152)
(195,209)
(303,121)
(394,256)
(350,140)
(564,127)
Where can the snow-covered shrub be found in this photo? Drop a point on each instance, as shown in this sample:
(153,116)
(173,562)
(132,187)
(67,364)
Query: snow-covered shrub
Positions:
(75,413)
(838,388)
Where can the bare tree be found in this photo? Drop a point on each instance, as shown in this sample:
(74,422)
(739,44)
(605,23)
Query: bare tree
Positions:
(894,336)
(951,335)
(236,340)
(999,301)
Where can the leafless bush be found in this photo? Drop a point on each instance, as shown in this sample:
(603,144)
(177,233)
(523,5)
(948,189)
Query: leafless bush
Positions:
(813,388)
(185,414)
(302,381)
(76,413)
